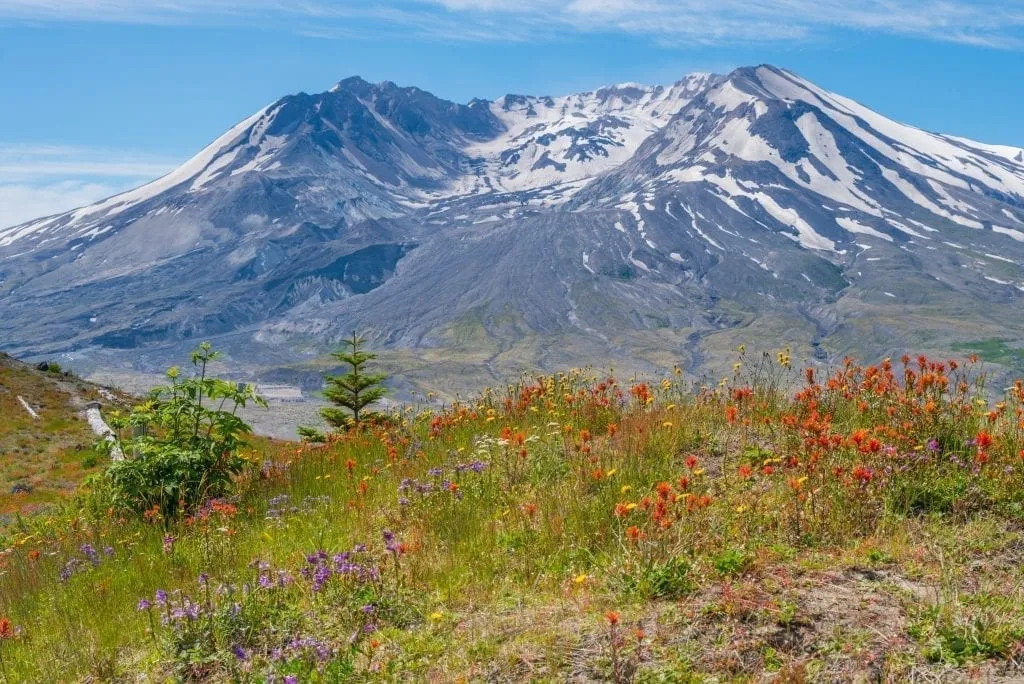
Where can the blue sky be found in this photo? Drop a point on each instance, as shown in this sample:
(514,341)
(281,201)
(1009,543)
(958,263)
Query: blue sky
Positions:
(101,95)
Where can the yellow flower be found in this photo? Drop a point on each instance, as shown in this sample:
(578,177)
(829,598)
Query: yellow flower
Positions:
(625,488)
(630,506)
(698,471)
(740,509)
(611,472)
(667,423)
(670,407)
(436,615)
(579,579)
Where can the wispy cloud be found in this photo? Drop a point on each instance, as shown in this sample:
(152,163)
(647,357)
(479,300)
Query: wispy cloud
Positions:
(38,180)
(992,23)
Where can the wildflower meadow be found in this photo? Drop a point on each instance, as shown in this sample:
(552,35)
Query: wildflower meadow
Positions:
(856,523)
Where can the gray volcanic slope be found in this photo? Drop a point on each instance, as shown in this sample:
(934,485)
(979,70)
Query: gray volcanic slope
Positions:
(632,225)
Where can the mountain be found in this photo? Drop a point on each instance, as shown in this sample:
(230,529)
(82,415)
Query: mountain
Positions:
(640,224)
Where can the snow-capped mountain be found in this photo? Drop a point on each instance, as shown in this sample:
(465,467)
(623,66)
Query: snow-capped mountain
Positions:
(628,221)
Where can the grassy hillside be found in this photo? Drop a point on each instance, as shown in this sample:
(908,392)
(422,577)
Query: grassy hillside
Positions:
(571,527)
(44,459)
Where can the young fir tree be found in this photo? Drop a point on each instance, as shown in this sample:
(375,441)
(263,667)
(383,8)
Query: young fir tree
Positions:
(353,392)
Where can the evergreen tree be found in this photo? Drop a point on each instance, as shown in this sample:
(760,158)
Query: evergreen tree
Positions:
(354,391)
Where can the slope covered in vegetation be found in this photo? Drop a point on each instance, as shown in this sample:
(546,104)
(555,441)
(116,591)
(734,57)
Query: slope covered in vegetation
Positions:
(46,445)
(582,527)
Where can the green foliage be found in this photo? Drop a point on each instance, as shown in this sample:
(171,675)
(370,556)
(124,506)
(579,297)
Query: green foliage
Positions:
(732,562)
(670,578)
(957,635)
(355,391)
(184,444)
(311,434)
(920,496)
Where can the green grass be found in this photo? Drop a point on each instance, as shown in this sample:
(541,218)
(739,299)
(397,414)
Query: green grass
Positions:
(994,351)
(49,456)
(568,527)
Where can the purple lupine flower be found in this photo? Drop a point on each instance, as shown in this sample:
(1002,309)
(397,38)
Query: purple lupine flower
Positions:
(933,444)
(435,472)
(320,577)
(90,553)
(169,543)
(69,569)
(402,501)
(265,582)
(203,579)
(144,604)
(240,653)
(161,597)
(291,679)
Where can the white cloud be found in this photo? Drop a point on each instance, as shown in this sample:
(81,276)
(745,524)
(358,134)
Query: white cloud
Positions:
(994,23)
(20,202)
(38,180)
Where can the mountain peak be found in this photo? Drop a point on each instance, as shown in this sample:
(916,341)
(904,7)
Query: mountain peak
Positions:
(352,82)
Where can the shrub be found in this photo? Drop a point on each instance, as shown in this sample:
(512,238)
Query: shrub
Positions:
(185,445)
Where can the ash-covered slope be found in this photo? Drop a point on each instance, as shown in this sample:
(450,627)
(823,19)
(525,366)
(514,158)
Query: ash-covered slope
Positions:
(661,214)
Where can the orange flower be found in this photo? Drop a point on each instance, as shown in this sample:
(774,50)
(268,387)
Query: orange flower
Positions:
(33,555)
(612,429)
(611,616)
(633,532)
(730,414)
(6,629)
(529,509)
(664,489)
(984,440)
(691,461)
(745,472)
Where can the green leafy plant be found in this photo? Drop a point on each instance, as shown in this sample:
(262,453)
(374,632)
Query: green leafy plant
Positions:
(732,562)
(185,442)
